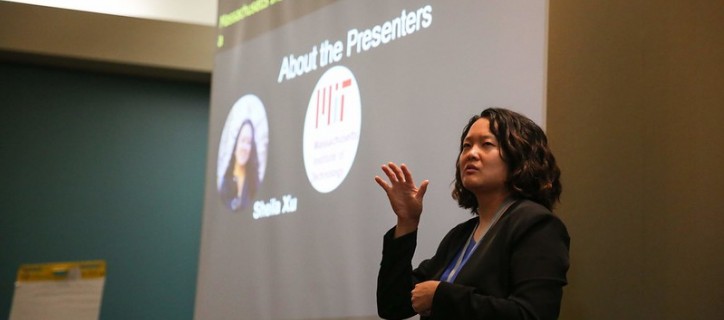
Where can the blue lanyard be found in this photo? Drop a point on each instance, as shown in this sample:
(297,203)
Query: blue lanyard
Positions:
(451,272)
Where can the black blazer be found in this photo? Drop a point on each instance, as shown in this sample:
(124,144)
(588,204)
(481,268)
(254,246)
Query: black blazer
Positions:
(517,271)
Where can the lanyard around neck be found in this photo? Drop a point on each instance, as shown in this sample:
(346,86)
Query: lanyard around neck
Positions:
(464,253)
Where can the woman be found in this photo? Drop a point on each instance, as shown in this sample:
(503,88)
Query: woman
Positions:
(242,173)
(507,262)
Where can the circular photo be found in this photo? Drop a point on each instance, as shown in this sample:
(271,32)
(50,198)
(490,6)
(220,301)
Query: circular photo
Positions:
(332,129)
(241,162)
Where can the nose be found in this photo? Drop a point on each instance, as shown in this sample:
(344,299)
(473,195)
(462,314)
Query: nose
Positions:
(473,153)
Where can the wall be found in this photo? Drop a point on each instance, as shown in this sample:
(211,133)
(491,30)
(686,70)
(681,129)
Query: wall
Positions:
(90,41)
(98,166)
(635,113)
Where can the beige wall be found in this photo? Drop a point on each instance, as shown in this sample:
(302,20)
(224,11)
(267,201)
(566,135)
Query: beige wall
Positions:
(636,117)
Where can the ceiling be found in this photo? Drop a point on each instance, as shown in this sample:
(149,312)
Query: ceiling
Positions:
(202,12)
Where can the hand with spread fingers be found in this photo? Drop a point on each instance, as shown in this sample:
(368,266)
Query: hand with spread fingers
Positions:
(405,197)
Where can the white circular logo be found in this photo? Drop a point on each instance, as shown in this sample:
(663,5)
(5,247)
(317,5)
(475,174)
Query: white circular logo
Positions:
(332,129)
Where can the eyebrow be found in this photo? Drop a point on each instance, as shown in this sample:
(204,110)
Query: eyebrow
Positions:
(485,136)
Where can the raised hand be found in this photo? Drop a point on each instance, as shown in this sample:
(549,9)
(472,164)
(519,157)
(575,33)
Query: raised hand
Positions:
(405,197)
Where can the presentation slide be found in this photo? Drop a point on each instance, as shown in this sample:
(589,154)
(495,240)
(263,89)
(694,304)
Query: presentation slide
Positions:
(309,99)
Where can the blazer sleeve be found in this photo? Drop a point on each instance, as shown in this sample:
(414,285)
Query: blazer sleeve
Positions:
(538,265)
(396,278)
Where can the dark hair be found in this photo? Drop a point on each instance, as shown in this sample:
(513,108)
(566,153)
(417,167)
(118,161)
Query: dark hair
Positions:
(532,170)
(251,167)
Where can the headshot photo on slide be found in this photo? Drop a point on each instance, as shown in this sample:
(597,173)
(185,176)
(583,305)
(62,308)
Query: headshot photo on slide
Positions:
(243,146)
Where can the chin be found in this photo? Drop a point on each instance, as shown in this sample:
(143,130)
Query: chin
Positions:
(471,186)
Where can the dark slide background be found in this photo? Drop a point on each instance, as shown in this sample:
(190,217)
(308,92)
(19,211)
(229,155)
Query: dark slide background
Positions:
(417,93)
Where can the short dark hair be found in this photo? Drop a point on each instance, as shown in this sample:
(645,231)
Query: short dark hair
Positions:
(532,170)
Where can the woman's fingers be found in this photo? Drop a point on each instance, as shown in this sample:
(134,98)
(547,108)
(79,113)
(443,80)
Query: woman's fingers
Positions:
(423,189)
(382,183)
(398,172)
(390,173)
(407,174)
(401,174)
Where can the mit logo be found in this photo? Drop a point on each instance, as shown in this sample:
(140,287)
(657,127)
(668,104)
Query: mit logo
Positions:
(330,103)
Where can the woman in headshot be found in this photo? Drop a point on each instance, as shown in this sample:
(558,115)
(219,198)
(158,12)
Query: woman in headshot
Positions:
(507,262)
(242,173)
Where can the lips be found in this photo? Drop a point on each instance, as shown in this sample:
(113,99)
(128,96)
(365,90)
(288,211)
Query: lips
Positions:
(471,169)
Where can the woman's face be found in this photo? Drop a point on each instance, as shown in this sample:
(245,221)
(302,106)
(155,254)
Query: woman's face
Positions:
(482,169)
(243,144)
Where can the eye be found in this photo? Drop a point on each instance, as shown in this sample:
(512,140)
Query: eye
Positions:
(466,145)
(489,144)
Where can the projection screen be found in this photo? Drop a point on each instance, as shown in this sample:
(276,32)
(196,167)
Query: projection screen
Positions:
(309,99)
